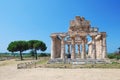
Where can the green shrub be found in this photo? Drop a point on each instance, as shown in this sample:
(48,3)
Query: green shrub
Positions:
(111,56)
(114,56)
(117,57)
(114,62)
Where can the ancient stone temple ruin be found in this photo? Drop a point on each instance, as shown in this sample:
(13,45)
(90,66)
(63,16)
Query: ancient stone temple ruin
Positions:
(76,42)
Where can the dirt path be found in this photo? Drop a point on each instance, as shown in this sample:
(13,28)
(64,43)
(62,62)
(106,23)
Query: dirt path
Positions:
(10,72)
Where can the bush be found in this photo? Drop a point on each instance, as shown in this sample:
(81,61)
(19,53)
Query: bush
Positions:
(114,56)
(114,62)
(111,56)
(117,57)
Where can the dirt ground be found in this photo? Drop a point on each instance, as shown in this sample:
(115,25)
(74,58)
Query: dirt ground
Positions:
(10,72)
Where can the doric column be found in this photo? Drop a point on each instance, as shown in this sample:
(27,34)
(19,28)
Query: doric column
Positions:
(93,48)
(58,47)
(79,54)
(83,54)
(62,47)
(73,56)
(97,47)
(90,49)
(101,48)
(53,50)
(104,52)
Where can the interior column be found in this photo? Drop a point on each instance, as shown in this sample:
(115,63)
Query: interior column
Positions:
(79,54)
(83,54)
(68,48)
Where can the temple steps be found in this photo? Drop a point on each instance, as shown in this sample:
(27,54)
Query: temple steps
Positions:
(77,61)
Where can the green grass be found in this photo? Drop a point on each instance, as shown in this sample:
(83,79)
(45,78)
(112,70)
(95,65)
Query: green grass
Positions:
(111,66)
(100,66)
(43,60)
(43,64)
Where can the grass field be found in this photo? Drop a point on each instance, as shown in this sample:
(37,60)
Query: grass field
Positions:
(42,63)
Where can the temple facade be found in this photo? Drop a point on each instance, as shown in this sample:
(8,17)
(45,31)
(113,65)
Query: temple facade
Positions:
(76,43)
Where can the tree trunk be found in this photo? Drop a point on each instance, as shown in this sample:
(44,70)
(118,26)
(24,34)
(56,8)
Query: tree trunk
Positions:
(21,55)
(36,54)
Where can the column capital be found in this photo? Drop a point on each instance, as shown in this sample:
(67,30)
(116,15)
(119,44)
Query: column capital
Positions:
(98,37)
(72,36)
(53,36)
(93,36)
(103,34)
(62,35)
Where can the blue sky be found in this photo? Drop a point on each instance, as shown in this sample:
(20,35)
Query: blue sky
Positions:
(37,19)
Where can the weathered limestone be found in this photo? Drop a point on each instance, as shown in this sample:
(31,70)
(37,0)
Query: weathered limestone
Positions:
(83,54)
(90,49)
(101,48)
(79,53)
(73,48)
(53,50)
(94,47)
(104,46)
(62,47)
(77,37)
(58,47)
(98,47)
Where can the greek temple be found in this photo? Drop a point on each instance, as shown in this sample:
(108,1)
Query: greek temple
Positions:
(81,41)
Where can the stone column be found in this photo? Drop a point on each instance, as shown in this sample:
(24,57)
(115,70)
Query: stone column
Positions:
(83,54)
(53,50)
(93,48)
(90,49)
(97,43)
(73,56)
(79,54)
(58,47)
(62,47)
(104,52)
(101,48)
(69,53)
